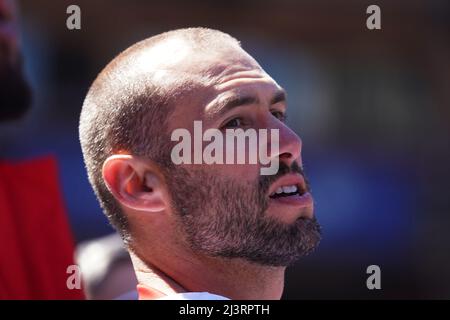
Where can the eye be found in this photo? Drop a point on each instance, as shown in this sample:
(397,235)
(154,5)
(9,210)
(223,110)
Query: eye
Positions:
(279,115)
(234,123)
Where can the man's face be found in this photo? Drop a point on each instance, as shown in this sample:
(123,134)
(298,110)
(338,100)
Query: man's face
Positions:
(231,210)
(15,94)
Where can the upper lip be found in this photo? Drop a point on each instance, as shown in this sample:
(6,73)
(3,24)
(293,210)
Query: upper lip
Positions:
(289,180)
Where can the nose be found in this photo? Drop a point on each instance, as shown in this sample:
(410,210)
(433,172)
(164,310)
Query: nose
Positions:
(290,146)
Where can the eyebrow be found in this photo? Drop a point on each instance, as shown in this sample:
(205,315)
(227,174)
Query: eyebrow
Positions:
(280,96)
(238,100)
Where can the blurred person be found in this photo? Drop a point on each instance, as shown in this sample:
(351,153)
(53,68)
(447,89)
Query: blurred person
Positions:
(196,231)
(15,93)
(107,269)
(36,245)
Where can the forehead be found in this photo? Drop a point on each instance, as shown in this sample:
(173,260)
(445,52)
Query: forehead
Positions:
(219,76)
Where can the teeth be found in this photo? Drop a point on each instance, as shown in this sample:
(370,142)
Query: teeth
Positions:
(289,189)
(285,189)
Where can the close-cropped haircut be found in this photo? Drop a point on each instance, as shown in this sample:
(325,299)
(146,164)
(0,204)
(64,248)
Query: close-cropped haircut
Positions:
(126,110)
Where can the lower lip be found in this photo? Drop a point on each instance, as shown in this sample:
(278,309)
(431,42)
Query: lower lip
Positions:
(299,201)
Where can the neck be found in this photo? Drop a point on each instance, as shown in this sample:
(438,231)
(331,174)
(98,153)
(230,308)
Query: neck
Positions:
(232,278)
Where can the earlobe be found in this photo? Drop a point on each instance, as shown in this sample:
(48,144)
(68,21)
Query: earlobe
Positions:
(133,183)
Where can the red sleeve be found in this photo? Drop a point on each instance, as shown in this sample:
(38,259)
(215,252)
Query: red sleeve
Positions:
(36,244)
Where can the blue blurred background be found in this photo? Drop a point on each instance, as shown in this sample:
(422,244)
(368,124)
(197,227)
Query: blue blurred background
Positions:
(372,108)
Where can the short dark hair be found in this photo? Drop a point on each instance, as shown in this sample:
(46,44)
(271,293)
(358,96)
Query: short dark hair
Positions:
(126,109)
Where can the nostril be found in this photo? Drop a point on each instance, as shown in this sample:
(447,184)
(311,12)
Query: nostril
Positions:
(286,155)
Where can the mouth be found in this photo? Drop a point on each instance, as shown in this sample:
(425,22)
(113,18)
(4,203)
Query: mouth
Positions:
(290,190)
(287,191)
(287,186)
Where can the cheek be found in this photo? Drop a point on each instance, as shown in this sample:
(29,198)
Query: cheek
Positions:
(240,172)
(241,160)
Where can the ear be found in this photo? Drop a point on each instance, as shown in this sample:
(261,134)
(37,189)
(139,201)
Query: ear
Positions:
(135,184)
